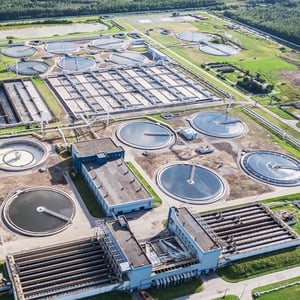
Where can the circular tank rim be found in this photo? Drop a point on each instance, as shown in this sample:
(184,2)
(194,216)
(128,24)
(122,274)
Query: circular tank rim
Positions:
(62,51)
(207,36)
(220,195)
(22,70)
(262,178)
(74,56)
(19,56)
(171,141)
(224,136)
(36,144)
(120,44)
(19,230)
(238,49)
(112,55)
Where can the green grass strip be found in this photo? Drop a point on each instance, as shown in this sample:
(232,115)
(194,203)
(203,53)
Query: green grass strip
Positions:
(192,287)
(260,265)
(291,292)
(276,284)
(52,103)
(290,197)
(87,196)
(156,198)
(227,297)
(276,122)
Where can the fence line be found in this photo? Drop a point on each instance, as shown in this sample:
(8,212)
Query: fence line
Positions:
(272,127)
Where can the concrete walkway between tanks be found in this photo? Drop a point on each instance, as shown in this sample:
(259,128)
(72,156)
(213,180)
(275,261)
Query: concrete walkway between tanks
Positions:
(215,287)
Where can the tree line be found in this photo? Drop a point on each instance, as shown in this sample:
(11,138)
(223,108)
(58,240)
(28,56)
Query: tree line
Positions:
(276,17)
(27,9)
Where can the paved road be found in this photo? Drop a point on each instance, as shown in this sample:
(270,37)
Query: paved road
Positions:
(291,123)
(215,287)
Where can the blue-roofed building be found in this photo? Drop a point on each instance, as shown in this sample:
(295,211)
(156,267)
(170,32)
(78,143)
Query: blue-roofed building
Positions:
(117,189)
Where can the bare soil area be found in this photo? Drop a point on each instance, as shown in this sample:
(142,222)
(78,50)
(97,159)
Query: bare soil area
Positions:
(10,182)
(224,160)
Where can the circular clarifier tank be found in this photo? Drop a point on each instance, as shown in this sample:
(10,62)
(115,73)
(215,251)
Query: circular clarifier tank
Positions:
(108,43)
(19,51)
(219,49)
(127,58)
(76,63)
(194,36)
(272,167)
(62,47)
(30,67)
(39,211)
(191,183)
(20,155)
(218,125)
(145,135)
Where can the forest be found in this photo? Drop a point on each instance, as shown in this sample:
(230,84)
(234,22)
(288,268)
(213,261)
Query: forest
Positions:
(26,9)
(276,17)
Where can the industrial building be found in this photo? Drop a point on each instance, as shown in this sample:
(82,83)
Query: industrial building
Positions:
(188,133)
(115,186)
(113,259)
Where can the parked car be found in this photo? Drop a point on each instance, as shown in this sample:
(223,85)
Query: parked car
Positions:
(145,295)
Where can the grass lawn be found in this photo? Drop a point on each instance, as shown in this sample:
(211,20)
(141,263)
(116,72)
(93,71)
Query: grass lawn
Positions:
(260,265)
(45,92)
(276,122)
(257,55)
(87,195)
(290,197)
(145,183)
(227,297)
(292,292)
(192,287)
(281,113)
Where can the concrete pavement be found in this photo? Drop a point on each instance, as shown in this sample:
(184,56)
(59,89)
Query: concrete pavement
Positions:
(215,287)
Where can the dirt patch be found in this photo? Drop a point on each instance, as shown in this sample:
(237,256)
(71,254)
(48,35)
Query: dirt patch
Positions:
(292,77)
(52,176)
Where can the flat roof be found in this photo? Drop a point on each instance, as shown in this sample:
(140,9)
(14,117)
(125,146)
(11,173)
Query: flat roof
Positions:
(195,229)
(116,182)
(92,147)
(128,243)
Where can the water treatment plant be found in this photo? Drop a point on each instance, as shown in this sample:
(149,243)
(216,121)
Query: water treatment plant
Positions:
(138,173)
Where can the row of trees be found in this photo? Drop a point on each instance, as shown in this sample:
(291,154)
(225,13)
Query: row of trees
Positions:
(280,18)
(25,9)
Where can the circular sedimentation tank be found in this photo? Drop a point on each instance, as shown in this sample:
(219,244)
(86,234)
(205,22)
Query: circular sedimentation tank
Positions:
(76,63)
(30,67)
(127,58)
(272,167)
(218,125)
(20,155)
(62,47)
(194,36)
(219,49)
(145,135)
(108,43)
(38,211)
(19,51)
(191,183)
